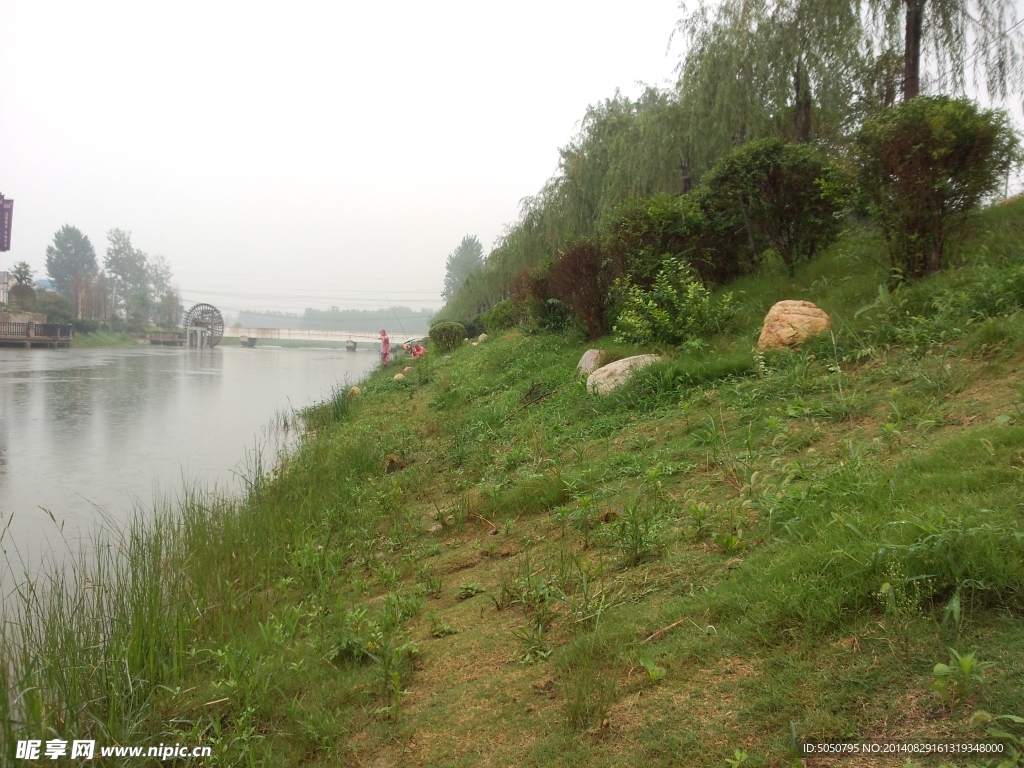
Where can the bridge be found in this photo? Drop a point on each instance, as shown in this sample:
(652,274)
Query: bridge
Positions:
(366,338)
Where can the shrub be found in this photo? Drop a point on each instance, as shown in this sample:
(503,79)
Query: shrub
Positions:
(580,280)
(504,315)
(923,166)
(447,336)
(677,308)
(787,197)
(642,231)
(86,326)
(474,327)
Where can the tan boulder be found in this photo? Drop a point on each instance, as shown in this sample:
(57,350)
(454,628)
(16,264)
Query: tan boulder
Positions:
(399,377)
(610,377)
(590,361)
(355,391)
(482,337)
(789,323)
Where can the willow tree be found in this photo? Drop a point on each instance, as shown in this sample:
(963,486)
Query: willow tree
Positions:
(955,33)
(755,68)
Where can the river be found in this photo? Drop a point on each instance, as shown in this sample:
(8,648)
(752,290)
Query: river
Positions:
(86,434)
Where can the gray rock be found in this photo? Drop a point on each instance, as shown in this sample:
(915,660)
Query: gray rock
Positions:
(610,377)
(590,361)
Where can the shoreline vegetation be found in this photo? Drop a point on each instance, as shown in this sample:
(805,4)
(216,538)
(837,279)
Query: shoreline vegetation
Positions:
(484,563)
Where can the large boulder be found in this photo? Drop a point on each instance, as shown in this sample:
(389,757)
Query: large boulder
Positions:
(790,323)
(590,361)
(610,377)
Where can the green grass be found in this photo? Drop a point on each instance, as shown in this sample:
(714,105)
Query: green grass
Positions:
(102,339)
(791,538)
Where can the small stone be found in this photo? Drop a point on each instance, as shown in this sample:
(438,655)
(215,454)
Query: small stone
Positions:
(447,357)
(476,343)
(355,391)
(399,377)
(434,528)
(482,337)
(407,369)
(790,323)
(590,361)
(608,378)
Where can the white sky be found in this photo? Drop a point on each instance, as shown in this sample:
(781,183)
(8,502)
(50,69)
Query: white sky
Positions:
(292,154)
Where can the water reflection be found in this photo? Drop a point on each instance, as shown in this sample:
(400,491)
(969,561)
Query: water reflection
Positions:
(86,433)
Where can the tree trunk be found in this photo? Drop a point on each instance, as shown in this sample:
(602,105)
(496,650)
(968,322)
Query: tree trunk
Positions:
(912,49)
(802,100)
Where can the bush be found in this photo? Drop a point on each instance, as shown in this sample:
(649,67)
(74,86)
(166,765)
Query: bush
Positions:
(56,308)
(86,326)
(580,280)
(677,308)
(787,197)
(474,327)
(447,336)
(641,232)
(504,315)
(923,166)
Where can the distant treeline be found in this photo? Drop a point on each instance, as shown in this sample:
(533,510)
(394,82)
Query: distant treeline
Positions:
(394,319)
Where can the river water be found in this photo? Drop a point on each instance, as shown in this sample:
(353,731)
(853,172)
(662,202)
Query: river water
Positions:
(85,434)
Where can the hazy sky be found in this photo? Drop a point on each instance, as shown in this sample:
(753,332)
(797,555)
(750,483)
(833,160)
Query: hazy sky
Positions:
(301,154)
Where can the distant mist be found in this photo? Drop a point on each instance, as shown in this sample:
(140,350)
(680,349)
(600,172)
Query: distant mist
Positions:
(401,320)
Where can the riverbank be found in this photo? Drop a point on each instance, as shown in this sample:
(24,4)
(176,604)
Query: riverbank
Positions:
(486,564)
(102,339)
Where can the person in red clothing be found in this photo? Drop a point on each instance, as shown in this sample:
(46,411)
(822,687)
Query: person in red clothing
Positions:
(385,347)
(418,351)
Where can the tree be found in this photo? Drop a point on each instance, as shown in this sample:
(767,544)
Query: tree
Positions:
(141,283)
(22,296)
(923,166)
(71,265)
(127,267)
(462,262)
(983,33)
(758,68)
(788,197)
(22,272)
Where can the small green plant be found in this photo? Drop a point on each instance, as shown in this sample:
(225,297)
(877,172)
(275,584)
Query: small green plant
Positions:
(534,647)
(588,694)
(466,591)
(739,757)
(431,582)
(586,518)
(654,672)
(636,534)
(900,598)
(1013,741)
(958,680)
(678,307)
(731,542)
(439,627)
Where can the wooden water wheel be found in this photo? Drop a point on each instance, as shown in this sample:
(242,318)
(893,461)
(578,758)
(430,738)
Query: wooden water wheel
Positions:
(206,323)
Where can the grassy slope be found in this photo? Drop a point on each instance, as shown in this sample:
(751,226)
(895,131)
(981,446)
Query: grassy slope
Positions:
(752,507)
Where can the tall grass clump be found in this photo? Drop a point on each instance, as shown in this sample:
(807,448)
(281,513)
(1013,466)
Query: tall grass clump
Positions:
(86,644)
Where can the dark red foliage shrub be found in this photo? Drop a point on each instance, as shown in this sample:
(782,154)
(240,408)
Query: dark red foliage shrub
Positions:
(581,279)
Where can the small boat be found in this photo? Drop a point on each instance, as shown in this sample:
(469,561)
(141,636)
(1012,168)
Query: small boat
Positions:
(247,341)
